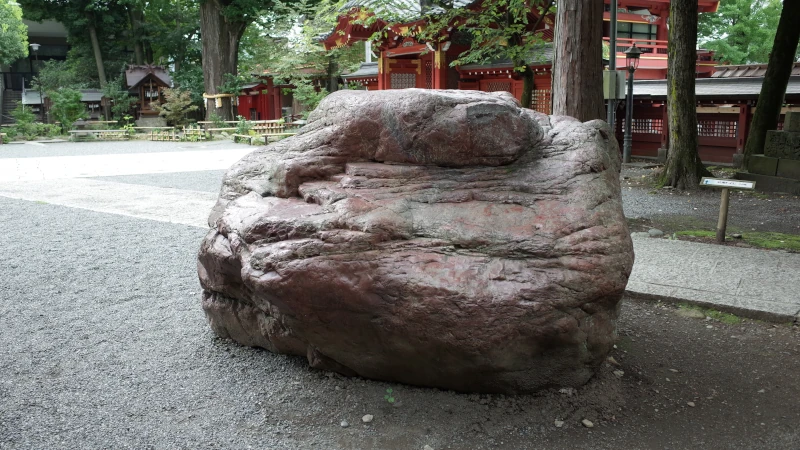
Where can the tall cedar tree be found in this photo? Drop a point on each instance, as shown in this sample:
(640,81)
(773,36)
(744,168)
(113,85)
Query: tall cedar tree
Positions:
(775,80)
(578,65)
(222,24)
(684,168)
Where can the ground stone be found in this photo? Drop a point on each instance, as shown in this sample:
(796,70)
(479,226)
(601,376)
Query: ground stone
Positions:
(439,238)
(367,418)
(587,423)
(654,232)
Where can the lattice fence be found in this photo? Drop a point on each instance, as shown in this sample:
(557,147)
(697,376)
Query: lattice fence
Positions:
(540,100)
(498,86)
(717,128)
(646,126)
(403,81)
(428,75)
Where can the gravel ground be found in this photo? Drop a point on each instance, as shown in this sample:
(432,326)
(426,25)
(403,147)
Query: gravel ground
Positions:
(204,181)
(672,210)
(104,345)
(37,150)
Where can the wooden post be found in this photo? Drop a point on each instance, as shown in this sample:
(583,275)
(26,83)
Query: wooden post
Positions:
(726,185)
(439,70)
(722,223)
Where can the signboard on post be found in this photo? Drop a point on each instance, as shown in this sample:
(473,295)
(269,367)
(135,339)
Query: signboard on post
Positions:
(726,185)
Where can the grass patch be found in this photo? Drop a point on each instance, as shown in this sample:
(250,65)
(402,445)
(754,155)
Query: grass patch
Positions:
(761,239)
(726,318)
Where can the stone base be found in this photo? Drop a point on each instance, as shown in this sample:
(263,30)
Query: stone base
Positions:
(763,165)
(791,121)
(782,144)
(788,168)
(662,155)
(151,122)
(772,184)
(738,160)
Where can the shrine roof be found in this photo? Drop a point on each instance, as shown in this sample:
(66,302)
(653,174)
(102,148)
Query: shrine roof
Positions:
(715,88)
(398,9)
(541,56)
(747,70)
(367,69)
(134,75)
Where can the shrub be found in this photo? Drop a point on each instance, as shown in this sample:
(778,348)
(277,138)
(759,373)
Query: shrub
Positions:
(67,107)
(176,105)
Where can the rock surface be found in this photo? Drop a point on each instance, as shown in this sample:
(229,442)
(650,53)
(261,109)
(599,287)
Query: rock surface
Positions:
(438,238)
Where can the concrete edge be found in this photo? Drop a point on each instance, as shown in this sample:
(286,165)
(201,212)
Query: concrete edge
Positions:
(741,312)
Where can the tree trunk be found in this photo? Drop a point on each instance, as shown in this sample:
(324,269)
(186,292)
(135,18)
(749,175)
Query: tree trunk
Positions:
(773,90)
(684,168)
(527,86)
(333,77)
(221,38)
(98,56)
(138,51)
(578,65)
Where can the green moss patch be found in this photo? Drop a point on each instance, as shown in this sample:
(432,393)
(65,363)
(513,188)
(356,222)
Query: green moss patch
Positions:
(726,318)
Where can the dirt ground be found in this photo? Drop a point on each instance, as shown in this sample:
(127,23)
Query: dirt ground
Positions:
(685,383)
(670,210)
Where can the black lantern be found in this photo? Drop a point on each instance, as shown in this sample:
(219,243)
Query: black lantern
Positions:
(632,61)
(632,57)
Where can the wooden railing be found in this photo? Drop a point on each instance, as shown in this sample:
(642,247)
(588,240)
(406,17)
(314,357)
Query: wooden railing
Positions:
(654,47)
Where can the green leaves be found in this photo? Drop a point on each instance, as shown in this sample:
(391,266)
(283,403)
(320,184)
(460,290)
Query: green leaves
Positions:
(389,397)
(13,33)
(741,31)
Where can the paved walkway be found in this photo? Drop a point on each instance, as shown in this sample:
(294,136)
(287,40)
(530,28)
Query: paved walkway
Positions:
(757,283)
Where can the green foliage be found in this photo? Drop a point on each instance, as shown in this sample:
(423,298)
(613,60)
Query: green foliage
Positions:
(55,75)
(216,120)
(307,95)
(232,84)
(13,33)
(121,100)
(67,107)
(190,78)
(741,31)
(279,49)
(243,126)
(161,31)
(389,397)
(26,127)
(499,29)
(128,125)
(176,105)
(24,118)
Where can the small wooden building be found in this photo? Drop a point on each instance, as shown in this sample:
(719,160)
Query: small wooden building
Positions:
(147,82)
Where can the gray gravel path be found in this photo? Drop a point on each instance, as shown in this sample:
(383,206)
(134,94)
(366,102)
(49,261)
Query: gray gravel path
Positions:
(37,150)
(205,181)
(694,210)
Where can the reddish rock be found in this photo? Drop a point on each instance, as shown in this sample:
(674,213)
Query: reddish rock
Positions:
(438,238)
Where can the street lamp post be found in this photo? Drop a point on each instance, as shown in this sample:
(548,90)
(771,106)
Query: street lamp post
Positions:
(632,62)
(35,48)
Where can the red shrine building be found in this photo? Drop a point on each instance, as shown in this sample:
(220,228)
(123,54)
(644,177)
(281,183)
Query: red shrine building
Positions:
(726,95)
(404,62)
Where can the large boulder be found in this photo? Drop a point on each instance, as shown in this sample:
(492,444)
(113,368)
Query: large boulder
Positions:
(437,238)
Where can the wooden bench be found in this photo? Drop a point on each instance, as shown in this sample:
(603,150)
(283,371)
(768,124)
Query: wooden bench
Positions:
(100,134)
